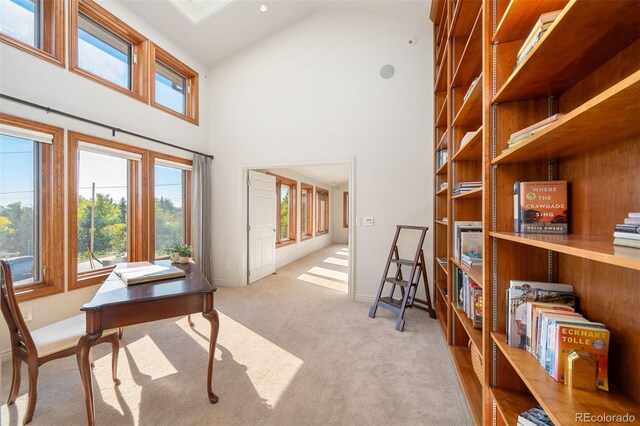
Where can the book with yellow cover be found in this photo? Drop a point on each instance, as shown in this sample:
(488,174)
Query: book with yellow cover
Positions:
(581,338)
(148,272)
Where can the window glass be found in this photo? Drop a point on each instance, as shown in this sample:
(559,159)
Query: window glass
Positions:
(19,207)
(19,19)
(304,209)
(285,190)
(169,213)
(171,88)
(102,210)
(103,53)
(321,211)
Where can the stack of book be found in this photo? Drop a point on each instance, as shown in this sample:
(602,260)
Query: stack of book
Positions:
(628,233)
(536,416)
(470,89)
(543,24)
(461,187)
(541,318)
(468,296)
(540,207)
(461,231)
(527,132)
(441,157)
(444,186)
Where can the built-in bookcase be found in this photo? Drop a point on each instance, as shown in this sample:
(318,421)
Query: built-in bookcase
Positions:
(586,66)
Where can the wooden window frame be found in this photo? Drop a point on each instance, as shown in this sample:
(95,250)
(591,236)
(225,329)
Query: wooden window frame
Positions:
(310,224)
(140,74)
(153,156)
(345,209)
(53,43)
(326,211)
(51,213)
(293,208)
(191,101)
(138,204)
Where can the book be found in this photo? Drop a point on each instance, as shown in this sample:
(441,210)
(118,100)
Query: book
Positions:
(633,214)
(586,338)
(442,260)
(627,228)
(467,137)
(458,225)
(626,242)
(521,292)
(516,207)
(470,89)
(626,235)
(543,207)
(536,416)
(471,244)
(531,307)
(477,309)
(148,273)
(632,220)
(548,322)
(536,126)
(471,259)
(536,325)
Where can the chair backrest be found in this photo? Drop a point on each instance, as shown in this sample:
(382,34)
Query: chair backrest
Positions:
(20,337)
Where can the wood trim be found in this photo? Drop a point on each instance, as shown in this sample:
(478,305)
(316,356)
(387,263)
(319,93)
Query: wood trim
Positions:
(136,248)
(52,213)
(293,208)
(151,228)
(140,77)
(192,105)
(53,43)
(326,211)
(310,224)
(345,209)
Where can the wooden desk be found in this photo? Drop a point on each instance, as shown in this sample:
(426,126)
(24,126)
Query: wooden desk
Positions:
(118,305)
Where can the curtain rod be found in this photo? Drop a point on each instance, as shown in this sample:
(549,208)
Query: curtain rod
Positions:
(99,124)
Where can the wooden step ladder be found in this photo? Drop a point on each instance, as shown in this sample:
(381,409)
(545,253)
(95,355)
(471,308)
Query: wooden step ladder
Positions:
(408,287)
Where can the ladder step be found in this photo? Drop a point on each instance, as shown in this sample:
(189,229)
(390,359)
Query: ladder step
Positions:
(404,262)
(390,302)
(401,283)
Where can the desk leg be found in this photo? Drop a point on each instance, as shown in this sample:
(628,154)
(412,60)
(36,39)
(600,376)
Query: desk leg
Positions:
(215,326)
(84,365)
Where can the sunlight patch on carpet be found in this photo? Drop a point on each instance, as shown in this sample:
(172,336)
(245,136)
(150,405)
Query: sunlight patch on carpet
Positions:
(324,282)
(336,261)
(329,273)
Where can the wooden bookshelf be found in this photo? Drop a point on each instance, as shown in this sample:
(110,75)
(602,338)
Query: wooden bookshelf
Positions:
(586,66)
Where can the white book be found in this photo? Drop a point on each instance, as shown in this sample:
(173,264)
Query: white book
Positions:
(626,242)
(626,235)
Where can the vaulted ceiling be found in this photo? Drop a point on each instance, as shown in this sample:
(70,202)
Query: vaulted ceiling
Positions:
(240,23)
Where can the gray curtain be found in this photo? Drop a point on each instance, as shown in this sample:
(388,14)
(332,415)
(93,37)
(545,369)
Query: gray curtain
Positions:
(201,214)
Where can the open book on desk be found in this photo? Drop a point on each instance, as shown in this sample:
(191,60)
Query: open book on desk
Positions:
(148,273)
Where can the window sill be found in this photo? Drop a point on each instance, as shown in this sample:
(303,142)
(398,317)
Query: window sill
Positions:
(89,279)
(36,291)
(142,97)
(285,243)
(54,59)
(306,237)
(174,113)
(322,233)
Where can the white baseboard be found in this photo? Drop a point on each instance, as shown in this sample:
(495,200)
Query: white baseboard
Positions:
(5,355)
(228,283)
(365,299)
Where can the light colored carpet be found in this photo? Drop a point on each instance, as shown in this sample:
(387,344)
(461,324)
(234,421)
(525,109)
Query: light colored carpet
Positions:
(292,350)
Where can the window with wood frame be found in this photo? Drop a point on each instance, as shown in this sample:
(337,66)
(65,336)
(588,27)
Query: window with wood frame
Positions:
(106,50)
(174,86)
(113,217)
(171,193)
(34,26)
(31,207)
(322,211)
(345,209)
(306,211)
(286,196)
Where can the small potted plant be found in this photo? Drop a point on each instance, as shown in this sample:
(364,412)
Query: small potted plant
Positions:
(184,251)
(173,251)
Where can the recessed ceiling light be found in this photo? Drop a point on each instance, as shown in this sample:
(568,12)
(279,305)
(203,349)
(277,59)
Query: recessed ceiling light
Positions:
(198,10)
(264,8)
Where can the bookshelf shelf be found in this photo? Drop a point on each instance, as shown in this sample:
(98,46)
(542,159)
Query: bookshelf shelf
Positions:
(441,121)
(443,141)
(472,150)
(442,192)
(474,193)
(464,16)
(601,120)
(600,249)
(442,48)
(475,335)
(474,272)
(443,169)
(521,16)
(471,387)
(511,403)
(470,63)
(470,113)
(441,222)
(605,28)
(441,78)
(444,268)
(558,401)
(442,293)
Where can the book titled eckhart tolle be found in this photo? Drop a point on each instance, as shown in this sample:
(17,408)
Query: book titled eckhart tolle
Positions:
(541,207)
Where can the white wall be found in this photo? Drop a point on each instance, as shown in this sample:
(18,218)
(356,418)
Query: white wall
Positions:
(312,94)
(339,232)
(293,252)
(25,76)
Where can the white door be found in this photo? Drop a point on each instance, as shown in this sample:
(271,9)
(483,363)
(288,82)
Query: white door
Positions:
(262,225)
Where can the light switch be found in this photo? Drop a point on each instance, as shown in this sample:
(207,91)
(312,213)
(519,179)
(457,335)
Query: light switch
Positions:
(368,221)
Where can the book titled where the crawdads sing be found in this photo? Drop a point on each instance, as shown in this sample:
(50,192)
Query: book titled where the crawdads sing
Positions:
(541,207)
